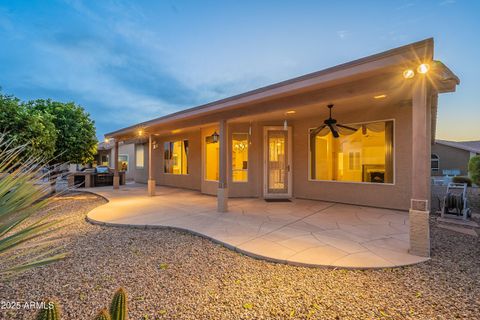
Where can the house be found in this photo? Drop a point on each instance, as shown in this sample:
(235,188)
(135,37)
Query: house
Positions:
(452,157)
(126,157)
(281,141)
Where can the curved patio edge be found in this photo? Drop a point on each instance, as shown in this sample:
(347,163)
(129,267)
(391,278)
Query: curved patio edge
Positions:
(249,253)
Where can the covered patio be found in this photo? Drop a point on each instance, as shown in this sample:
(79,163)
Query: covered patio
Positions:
(300,232)
(283,141)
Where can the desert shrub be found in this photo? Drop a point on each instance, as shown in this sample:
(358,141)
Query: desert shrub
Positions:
(474,169)
(462,179)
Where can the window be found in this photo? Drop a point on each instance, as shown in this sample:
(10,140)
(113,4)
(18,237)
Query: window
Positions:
(123,162)
(240,157)
(175,157)
(212,155)
(435,162)
(140,156)
(361,155)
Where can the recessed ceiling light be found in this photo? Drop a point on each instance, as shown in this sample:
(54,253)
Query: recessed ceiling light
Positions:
(291,112)
(423,68)
(380,96)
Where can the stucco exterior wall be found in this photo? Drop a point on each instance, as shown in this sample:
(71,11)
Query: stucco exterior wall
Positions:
(396,195)
(187,181)
(127,149)
(450,159)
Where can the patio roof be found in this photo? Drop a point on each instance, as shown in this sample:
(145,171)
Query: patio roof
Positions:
(387,64)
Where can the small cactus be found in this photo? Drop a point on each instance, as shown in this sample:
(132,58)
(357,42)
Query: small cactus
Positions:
(102,315)
(50,312)
(118,308)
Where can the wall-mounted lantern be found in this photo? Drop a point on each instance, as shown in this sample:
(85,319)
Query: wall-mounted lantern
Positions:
(215,136)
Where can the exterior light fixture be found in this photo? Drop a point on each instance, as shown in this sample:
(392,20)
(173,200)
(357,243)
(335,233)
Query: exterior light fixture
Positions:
(291,112)
(380,96)
(106,140)
(408,74)
(140,132)
(215,136)
(423,68)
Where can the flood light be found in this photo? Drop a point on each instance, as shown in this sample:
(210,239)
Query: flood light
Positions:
(423,68)
(408,74)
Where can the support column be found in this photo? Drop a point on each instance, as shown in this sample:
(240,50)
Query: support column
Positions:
(421,146)
(151,179)
(116,177)
(222,192)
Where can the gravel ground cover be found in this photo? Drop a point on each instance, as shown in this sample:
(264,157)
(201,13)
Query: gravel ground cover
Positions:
(175,275)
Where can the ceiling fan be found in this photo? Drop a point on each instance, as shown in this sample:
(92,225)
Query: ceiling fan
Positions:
(331,124)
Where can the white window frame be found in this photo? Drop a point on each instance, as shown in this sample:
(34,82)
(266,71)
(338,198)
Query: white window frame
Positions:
(128,160)
(137,146)
(186,157)
(437,160)
(248,159)
(359,182)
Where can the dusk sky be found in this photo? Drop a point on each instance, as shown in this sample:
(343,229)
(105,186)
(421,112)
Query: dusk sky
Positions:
(129,61)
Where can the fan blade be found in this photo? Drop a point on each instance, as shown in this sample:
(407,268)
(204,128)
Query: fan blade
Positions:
(317,130)
(334,130)
(346,127)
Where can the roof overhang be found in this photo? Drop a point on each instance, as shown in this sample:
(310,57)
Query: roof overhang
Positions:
(391,62)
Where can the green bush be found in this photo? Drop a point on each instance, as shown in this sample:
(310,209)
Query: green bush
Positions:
(474,169)
(462,179)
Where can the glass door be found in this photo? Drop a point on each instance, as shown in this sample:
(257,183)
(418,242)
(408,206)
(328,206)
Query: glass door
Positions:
(277,162)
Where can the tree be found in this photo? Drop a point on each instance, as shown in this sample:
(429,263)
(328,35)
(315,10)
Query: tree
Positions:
(76,139)
(474,169)
(24,126)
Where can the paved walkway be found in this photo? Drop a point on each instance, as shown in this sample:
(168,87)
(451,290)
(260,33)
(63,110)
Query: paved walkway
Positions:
(302,232)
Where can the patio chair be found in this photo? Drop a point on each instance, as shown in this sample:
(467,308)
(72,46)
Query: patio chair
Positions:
(455,203)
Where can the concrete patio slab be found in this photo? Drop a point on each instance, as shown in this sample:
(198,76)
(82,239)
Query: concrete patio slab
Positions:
(301,232)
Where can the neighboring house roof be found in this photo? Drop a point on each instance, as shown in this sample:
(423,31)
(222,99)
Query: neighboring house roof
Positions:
(104,146)
(445,81)
(471,146)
